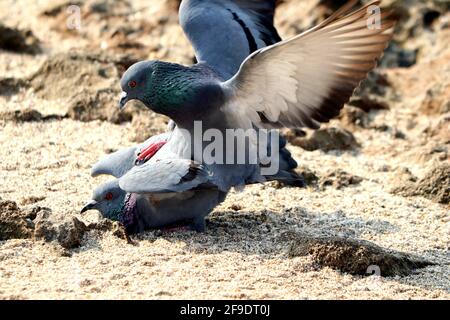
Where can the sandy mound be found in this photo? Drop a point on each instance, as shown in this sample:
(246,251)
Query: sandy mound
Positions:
(355,257)
(435,185)
(21,41)
(39,223)
(377,191)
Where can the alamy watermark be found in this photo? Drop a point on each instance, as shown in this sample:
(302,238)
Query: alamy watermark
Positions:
(374,20)
(73,21)
(212,146)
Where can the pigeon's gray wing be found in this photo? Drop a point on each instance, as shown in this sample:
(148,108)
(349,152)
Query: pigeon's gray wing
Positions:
(307,79)
(164,175)
(224,32)
(120,162)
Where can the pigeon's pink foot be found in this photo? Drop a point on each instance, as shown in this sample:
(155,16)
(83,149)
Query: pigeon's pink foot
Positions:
(149,152)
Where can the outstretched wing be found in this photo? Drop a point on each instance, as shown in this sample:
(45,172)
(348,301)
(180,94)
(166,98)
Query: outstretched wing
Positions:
(225,32)
(164,175)
(307,79)
(120,162)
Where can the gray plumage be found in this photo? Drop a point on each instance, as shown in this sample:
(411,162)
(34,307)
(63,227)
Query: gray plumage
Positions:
(179,192)
(296,83)
(177,197)
(172,187)
(144,211)
(223,32)
(120,162)
(245,79)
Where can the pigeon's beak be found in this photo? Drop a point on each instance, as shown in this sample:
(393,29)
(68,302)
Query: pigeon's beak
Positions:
(90,205)
(123,100)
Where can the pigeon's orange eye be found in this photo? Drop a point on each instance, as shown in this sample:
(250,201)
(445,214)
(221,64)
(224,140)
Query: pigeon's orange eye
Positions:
(132,84)
(109,196)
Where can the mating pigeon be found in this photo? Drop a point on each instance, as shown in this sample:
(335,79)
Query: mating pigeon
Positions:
(142,211)
(299,82)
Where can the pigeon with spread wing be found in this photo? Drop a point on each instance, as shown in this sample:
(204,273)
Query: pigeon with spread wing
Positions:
(246,78)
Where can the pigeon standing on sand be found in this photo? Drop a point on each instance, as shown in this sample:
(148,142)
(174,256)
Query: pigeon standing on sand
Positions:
(299,82)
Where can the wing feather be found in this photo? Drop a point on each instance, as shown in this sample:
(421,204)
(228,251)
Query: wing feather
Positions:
(224,32)
(164,175)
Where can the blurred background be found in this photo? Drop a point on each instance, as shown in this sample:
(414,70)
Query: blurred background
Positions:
(379,172)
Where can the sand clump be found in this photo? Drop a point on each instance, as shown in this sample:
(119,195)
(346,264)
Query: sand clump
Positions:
(96,99)
(40,223)
(339,179)
(20,41)
(355,256)
(336,178)
(435,185)
(25,115)
(327,139)
(11,86)
(15,223)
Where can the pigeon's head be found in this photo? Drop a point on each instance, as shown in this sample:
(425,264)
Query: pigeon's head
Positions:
(107,198)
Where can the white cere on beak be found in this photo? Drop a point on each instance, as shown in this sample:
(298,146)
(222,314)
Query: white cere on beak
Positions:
(123,99)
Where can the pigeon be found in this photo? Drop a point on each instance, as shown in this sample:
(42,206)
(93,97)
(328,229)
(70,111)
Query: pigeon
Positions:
(143,211)
(300,82)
